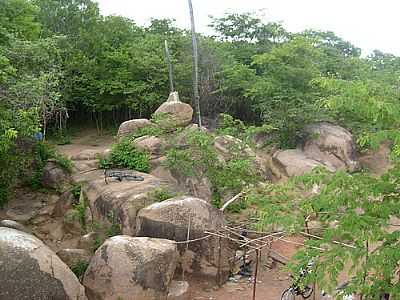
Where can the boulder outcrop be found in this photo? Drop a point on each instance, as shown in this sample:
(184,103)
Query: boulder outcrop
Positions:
(294,162)
(331,145)
(173,218)
(55,177)
(129,127)
(176,112)
(117,200)
(150,144)
(131,268)
(31,271)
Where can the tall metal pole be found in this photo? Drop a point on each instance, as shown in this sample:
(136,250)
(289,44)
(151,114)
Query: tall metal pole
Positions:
(170,69)
(195,56)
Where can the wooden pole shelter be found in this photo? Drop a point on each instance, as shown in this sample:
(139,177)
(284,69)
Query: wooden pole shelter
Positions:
(195,57)
(170,68)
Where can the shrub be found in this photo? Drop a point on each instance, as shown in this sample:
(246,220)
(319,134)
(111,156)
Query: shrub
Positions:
(200,158)
(125,155)
(80,211)
(161,194)
(42,152)
(80,268)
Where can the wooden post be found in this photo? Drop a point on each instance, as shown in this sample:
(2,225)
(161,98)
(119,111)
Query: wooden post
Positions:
(219,276)
(187,246)
(255,274)
(170,68)
(195,56)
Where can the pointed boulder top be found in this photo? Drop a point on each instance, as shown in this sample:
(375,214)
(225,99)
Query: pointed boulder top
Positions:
(173,97)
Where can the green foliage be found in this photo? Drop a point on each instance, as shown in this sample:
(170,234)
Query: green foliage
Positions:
(161,194)
(125,155)
(200,158)
(236,128)
(80,210)
(149,130)
(18,19)
(80,268)
(43,152)
(15,127)
(76,191)
(115,227)
(354,213)
(106,230)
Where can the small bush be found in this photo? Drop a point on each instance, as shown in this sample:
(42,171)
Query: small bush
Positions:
(125,155)
(80,268)
(149,130)
(161,194)
(76,191)
(104,232)
(41,154)
(80,211)
(200,158)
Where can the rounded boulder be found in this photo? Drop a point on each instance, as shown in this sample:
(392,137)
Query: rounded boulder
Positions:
(30,270)
(125,267)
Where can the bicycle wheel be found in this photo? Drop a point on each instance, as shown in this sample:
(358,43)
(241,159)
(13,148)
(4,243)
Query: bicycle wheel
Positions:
(307,292)
(288,294)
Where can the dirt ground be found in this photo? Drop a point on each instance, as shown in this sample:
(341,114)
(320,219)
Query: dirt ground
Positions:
(86,139)
(271,282)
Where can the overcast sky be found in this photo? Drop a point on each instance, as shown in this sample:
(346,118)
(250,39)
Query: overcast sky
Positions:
(369,24)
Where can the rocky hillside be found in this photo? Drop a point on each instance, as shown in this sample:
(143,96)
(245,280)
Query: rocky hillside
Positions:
(121,233)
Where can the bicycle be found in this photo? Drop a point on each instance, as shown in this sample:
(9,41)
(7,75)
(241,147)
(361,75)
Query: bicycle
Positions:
(121,175)
(292,292)
(296,289)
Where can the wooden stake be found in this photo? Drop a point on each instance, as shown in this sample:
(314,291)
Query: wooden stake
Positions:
(255,274)
(187,246)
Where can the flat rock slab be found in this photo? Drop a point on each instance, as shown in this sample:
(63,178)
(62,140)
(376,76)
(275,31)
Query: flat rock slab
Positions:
(122,199)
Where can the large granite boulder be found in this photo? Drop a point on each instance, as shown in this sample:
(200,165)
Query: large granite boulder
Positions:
(294,162)
(171,219)
(31,271)
(174,113)
(150,144)
(119,201)
(55,177)
(14,225)
(129,127)
(331,145)
(377,161)
(125,267)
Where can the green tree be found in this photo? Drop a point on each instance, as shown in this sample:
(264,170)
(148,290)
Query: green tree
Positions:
(354,214)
